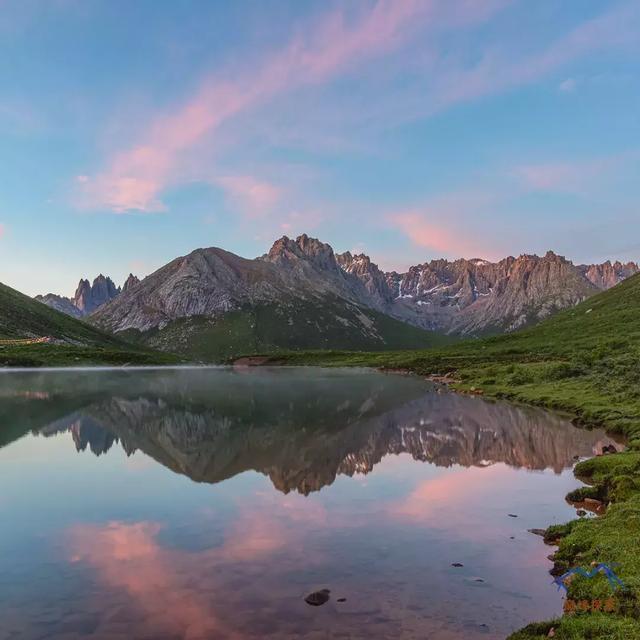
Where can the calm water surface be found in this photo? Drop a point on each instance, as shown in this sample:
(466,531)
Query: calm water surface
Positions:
(206,503)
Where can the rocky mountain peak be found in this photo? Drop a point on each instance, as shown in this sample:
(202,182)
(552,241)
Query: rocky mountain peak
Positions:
(374,280)
(463,297)
(607,275)
(131,281)
(89,297)
(285,250)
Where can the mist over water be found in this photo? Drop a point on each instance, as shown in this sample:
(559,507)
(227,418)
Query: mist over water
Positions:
(200,503)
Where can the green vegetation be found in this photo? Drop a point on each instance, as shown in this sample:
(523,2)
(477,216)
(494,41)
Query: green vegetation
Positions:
(73,342)
(586,362)
(23,317)
(298,324)
(55,355)
(583,361)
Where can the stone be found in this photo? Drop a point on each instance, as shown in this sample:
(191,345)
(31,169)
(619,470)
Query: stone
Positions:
(130,282)
(318,598)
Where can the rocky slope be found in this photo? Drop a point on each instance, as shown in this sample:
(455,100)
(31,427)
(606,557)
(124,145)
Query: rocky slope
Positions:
(213,304)
(607,275)
(301,295)
(88,297)
(475,297)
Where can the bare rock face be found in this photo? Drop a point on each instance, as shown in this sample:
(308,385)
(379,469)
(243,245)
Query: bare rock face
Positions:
(463,297)
(131,281)
(374,280)
(288,252)
(212,282)
(475,297)
(207,282)
(60,303)
(88,296)
(607,275)
(306,264)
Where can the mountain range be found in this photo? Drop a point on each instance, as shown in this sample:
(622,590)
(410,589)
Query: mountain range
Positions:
(476,297)
(301,295)
(88,297)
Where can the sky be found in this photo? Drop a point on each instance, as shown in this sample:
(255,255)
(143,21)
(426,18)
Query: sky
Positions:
(134,132)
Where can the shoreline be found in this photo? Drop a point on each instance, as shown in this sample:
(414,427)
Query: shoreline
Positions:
(611,479)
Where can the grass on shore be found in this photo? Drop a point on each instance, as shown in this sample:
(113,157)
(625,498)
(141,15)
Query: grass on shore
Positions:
(53,355)
(586,362)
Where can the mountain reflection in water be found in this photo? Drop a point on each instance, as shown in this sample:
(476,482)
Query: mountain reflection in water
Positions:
(120,545)
(214,427)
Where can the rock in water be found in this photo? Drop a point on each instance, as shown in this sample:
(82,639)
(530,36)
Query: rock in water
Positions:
(318,598)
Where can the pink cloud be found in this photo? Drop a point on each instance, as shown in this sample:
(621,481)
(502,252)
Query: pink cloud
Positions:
(551,177)
(436,237)
(494,73)
(253,196)
(448,225)
(570,177)
(141,268)
(136,176)
(448,81)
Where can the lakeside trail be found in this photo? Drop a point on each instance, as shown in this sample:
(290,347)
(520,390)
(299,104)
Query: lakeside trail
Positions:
(584,362)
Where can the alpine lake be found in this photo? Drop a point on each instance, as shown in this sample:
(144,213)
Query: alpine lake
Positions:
(195,503)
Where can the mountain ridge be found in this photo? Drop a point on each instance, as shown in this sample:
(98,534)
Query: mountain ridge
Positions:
(475,297)
(461,297)
(88,296)
(303,295)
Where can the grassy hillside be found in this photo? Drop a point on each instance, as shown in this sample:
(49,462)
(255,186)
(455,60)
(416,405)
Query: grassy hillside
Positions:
(585,361)
(23,319)
(296,325)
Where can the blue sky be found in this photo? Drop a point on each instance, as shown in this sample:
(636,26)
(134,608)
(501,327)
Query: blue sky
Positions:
(134,132)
